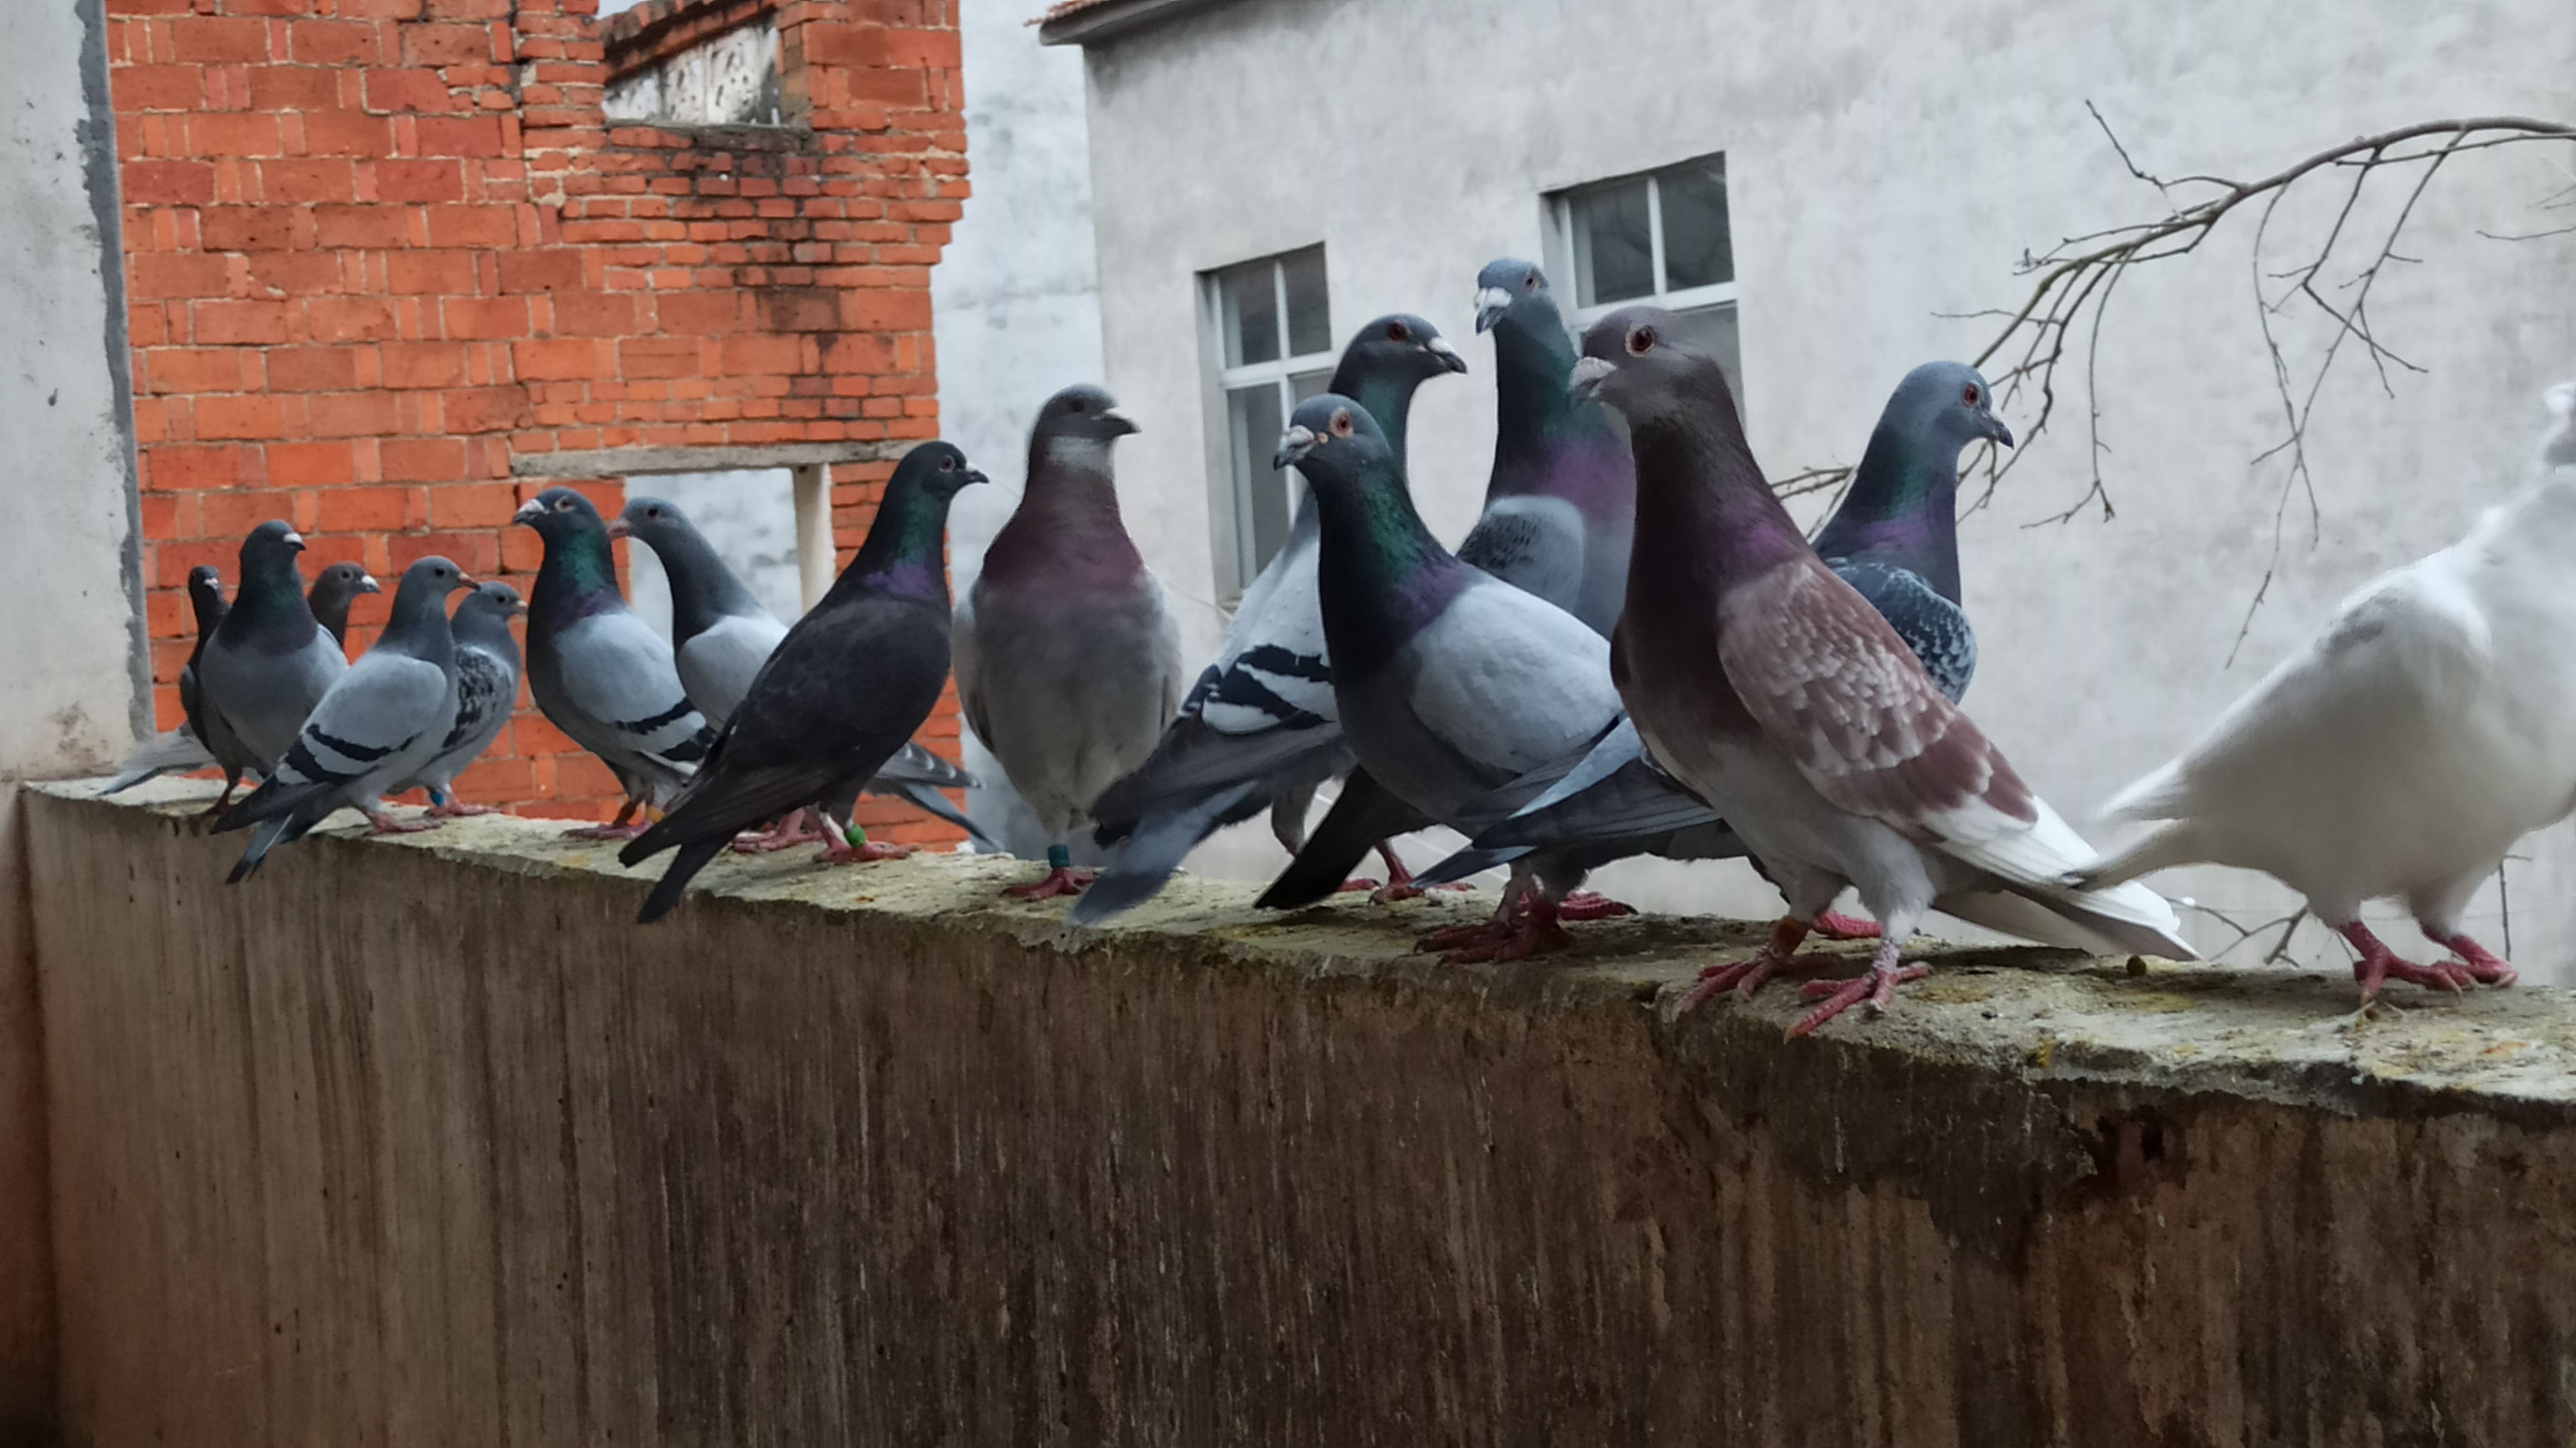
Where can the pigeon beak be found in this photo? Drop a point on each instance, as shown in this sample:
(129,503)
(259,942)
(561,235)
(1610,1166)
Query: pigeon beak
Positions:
(974,476)
(1120,424)
(367,584)
(617,528)
(529,512)
(294,540)
(1293,446)
(1491,303)
(1588,375)
(1448,355)
(1994,429)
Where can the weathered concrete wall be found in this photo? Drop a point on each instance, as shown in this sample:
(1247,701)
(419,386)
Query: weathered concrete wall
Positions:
(70,586)
(422,1142)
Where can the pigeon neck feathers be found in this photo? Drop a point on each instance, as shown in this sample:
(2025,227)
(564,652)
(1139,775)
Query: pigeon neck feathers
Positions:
(1701,496)
(904,554)
(704,592)
(270,607)
(1385,389)
(1382,575)
(1544,441)
(1902,509)
(418,626)
(1067,527)
(577,579)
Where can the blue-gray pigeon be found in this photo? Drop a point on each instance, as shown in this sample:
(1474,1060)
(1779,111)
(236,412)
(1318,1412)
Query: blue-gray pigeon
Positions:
(1449,682)
(487,689)
(844,690)
(177,751)
(1772,690)
(721,635)
(600,673)
(1068,658)
(334,590)
(1894,539)
(268,664)
(1562,499)
(380,720)
(1258,731)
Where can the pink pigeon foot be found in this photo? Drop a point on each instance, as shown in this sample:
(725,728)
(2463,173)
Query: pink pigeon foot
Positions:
(1061,880)
(1584,905)
(459,809)
(1835,925)
(796,829)
(2484,965)
(1534,931)
(2379,965)
(1744,977)
(625,827)
(865,852)
(384,823)
(1878,987)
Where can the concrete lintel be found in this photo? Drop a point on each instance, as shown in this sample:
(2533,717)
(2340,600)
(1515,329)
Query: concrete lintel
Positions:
(627,462)
(1221,1175)
(1108,19)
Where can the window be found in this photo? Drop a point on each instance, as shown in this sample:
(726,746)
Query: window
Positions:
(1658,236)
(1270,332)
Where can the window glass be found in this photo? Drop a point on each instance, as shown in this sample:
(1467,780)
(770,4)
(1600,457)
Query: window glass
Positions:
(1248,300)
(1614,257)
(1253,424)
(1696,250)
(1310,322)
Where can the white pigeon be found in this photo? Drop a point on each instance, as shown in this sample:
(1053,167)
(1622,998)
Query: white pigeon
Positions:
(2404,750)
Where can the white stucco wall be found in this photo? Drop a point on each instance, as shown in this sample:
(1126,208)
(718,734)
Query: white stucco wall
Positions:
(1886,167)
(1014,300)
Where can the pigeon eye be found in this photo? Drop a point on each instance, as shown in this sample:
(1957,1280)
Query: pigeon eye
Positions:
(1641,340)
(563,505)
(1342,423)
(948,465)
(1530,283)
(1074,406)
(1395,332)
(1970,396)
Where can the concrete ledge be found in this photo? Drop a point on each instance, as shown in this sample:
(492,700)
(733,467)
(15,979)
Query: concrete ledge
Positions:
(628,462)
(420,1141)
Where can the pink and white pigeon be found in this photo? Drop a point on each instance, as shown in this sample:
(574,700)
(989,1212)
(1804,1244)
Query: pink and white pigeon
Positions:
(2402,751)
(1774,692)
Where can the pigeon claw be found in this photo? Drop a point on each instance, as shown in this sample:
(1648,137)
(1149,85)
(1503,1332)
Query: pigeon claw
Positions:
(1584,905)
(1835,925)
(1355,884)
(2483,965)
(864,852)
(610,831)
(1063,880)
(1877,987)
(1533,931)
(383,822)
(459,809)
(796,829)
(2379,965)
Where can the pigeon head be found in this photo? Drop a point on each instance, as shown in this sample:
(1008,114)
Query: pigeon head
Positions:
(1082,413)
(493,598)
(1950,403)
(1517,290)
(1332,440)
(1400,344)
(205,587)
(1634,362)
(341,583)
(902,553)
(421,597)
(655,520)
(936,468)
(484,615)
(270,549)
(559,513)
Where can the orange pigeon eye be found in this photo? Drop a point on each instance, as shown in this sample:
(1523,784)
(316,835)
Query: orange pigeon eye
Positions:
(1342,423)
(1970,396)
(1641,340)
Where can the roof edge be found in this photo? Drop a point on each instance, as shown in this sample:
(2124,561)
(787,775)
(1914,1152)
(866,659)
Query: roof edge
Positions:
(1087,22)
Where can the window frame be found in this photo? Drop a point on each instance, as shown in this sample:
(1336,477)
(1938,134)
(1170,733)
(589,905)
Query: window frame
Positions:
(1229,522)
(1561,245)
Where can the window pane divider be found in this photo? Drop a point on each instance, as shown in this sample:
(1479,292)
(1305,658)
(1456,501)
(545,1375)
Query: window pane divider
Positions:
(1655,236)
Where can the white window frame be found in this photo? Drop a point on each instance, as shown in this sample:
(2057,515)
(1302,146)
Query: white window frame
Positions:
(1229,523)
(1560,231)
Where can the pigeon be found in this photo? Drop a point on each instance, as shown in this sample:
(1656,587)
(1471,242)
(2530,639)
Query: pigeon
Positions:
(599,672)
(334,589)
(487,689)
(1562,499)
(1773,692)
(177,751)
(1894,539)
(2558,447)
(1068,658)
(1258,729)
(2400,753)
(381,720)
(721,635)
(1449,682)
(844,690)
(268,664)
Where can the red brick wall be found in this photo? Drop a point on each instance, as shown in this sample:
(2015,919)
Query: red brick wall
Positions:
(379,248)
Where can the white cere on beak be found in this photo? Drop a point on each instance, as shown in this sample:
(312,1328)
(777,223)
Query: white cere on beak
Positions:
(1589,371)
(1441,346)
(294,537)
(1491,302)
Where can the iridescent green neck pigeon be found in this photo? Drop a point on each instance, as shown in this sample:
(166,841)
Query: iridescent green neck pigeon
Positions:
(1259,731)
(269,662)
(1068,658)
(843,691)
(1562,500)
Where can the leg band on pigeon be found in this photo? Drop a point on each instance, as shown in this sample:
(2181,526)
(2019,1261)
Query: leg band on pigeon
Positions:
(855,846)
(1059,857)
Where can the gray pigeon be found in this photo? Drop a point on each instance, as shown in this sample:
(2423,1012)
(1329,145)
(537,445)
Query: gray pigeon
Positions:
(268,664)
(1068,658)
(1778,696)
(379,722)
(1562,499)
(334,589)
(1258,730)
(721,635)
(599,672)
(1894,539)
(487,689)
(177,751)
(846,688)
(1449,682)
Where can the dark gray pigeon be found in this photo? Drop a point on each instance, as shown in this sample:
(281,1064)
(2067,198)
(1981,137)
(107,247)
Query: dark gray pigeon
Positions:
(1258,731)
(334,589)
(845,689)
(1894,539)
(599,672)
(1562,499)
(381,720)
(1068,658)
(1773,691)
(177,751)
(721,635)
(1450,683)
(268,664)
(487,689)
